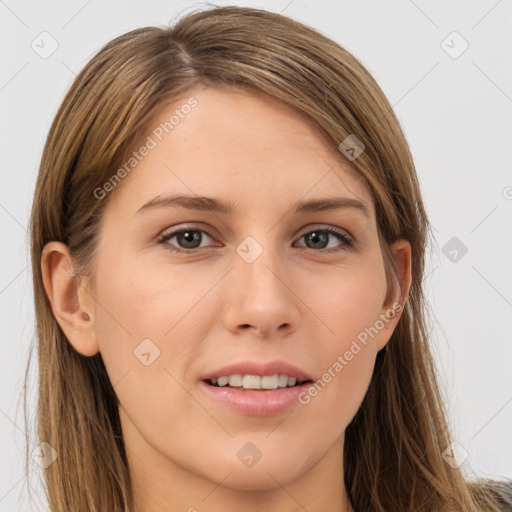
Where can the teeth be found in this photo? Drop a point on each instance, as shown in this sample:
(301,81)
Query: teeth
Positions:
(251,382)
(270,382)
(282,381)
(255,381)
(222,381)
(235,380)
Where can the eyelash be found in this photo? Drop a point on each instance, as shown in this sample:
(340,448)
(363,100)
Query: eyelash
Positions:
(345,239)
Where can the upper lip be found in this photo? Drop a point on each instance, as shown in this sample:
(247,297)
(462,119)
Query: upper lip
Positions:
(261,368)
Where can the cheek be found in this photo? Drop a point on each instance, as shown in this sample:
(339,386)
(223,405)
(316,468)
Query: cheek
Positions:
(146,321)
(154,302)
(347,299)
(349,304)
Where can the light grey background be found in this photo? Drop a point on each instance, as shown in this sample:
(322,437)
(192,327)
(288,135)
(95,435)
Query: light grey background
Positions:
(457,116)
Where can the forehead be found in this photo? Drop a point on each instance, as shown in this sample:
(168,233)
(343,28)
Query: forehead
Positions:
(235,144)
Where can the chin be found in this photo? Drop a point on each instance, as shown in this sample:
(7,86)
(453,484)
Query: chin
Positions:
(266,474)
(262,479)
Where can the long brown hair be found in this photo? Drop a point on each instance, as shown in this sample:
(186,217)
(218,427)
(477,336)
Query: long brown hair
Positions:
(393,447)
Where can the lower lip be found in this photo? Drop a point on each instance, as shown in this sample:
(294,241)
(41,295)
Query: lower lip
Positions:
(254,402)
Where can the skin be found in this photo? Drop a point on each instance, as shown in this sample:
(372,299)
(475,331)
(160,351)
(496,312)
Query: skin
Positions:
(209,307)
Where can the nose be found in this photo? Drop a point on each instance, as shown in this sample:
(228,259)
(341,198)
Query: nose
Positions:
(260,297)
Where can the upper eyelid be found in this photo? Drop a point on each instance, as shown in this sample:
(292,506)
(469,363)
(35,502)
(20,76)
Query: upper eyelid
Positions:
(175,231)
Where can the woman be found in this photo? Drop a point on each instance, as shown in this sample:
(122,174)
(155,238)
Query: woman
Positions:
(228,244)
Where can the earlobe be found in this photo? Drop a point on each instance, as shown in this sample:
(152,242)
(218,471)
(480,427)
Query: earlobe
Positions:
(71,303)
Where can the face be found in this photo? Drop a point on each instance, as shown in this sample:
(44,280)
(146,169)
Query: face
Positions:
(275,275)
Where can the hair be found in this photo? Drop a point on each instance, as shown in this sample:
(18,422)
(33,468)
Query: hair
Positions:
(393,453)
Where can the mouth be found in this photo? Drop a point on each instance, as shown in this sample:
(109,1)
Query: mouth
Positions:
(255,388)
(256,382)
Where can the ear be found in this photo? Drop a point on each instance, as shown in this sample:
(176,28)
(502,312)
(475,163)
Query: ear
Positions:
(392,310)
(71,303)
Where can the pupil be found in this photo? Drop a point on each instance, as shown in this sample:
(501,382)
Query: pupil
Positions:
(318,238)
(188,238)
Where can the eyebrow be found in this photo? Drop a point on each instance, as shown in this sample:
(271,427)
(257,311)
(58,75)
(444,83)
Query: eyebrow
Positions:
(226,207)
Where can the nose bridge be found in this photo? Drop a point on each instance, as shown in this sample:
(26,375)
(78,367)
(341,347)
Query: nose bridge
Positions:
(254,265)
(257,266)
(259,296)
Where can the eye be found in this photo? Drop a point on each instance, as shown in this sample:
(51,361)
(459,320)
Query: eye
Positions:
(321,239)
(186,238)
